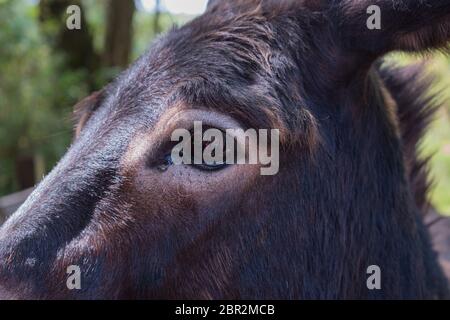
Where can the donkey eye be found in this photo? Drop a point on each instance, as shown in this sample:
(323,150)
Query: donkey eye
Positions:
(165,163)
(210,167)
(208,150)
(199,163)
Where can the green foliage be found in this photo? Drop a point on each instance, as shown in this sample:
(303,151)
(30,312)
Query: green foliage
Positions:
(436,143)
(437,140)
(35,93)
(95,14)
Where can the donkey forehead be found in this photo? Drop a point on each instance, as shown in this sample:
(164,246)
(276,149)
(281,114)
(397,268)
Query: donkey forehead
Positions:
(198,53)
(228,64)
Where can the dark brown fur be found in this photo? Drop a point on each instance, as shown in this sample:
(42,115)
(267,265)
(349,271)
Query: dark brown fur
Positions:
(349,193)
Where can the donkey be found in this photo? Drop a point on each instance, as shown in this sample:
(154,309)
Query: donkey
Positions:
(349,193)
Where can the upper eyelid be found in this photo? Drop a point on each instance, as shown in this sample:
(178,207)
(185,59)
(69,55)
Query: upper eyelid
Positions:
(186,118)
(159,137)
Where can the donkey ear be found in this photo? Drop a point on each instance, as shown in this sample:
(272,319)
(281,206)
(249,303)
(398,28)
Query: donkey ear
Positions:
(84,109)
(410,25)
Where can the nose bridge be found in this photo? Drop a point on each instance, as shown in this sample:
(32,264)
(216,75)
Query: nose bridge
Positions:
(56,212)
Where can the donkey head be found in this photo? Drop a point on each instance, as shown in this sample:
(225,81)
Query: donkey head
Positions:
(138,226)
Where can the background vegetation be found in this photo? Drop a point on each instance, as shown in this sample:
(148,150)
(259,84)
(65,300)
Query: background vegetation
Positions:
(44,71)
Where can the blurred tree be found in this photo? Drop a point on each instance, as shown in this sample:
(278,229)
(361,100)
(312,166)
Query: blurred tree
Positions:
(76,45)
(119,29)
(156,24)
